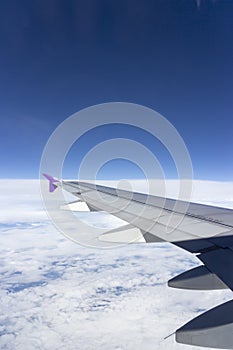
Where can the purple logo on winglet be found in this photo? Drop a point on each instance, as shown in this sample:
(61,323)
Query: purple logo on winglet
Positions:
(52,186)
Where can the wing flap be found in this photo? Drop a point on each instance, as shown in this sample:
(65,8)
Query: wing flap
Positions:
(75,206)
(123,234)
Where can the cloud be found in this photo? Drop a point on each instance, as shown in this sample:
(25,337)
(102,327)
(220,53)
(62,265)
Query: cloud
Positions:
(57,294)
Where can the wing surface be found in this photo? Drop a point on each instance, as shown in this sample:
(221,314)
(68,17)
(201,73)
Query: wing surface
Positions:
(164,219)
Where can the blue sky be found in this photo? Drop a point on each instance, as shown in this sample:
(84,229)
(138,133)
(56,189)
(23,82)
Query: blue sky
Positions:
(58,57)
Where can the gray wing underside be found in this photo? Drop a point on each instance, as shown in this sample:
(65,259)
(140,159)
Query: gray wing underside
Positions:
(204,230)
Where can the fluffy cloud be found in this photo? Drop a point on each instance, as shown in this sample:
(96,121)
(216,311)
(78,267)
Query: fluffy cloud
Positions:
(56,294)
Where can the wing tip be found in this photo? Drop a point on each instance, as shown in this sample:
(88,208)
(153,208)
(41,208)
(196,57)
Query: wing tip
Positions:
(52,181)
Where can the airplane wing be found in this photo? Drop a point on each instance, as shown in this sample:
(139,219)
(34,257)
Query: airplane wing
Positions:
(204,230)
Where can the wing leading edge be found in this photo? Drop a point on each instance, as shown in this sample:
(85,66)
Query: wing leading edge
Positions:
(204,230)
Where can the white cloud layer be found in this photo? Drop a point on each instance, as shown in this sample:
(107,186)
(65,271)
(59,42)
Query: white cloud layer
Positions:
(56,294)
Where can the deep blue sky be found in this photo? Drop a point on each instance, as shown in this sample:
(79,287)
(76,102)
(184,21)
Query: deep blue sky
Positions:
(58,57)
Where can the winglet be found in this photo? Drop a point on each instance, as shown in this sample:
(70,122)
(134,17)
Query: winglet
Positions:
(52,186)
